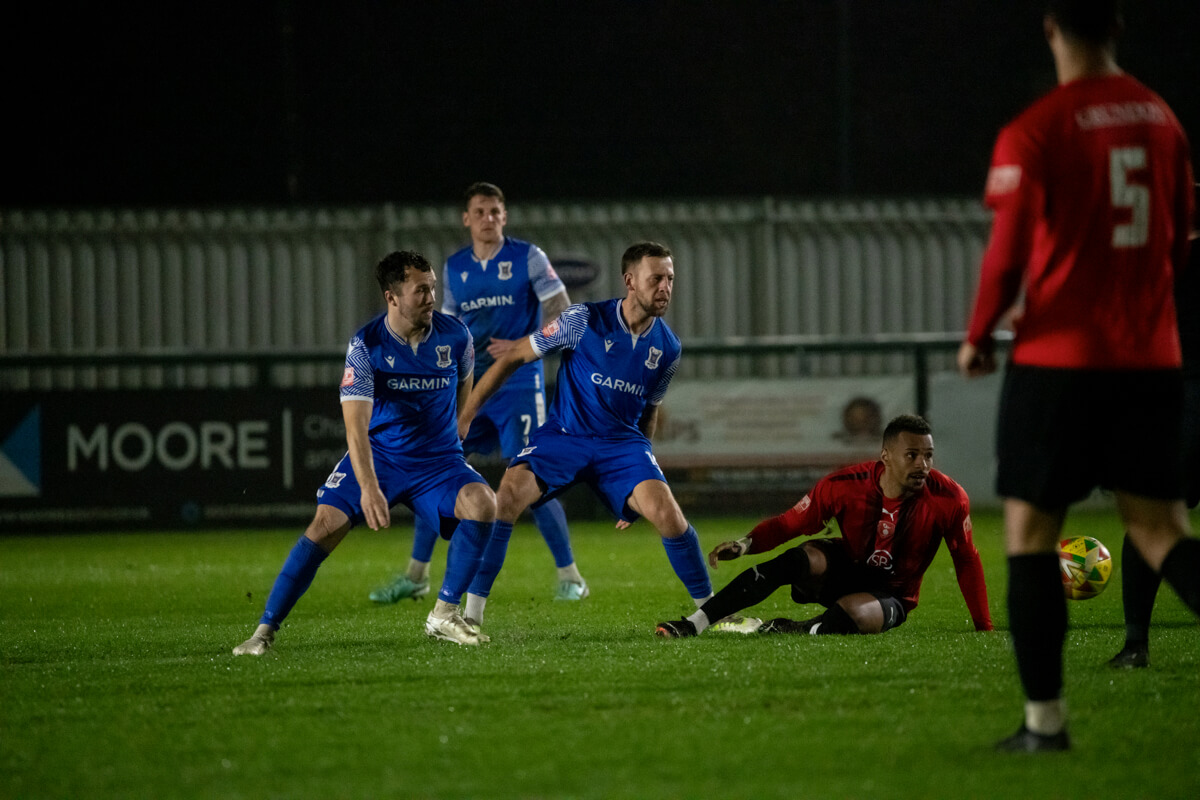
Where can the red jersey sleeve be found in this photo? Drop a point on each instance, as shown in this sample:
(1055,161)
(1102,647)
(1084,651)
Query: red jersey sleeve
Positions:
(968,568)
(803,519)
(1013,193)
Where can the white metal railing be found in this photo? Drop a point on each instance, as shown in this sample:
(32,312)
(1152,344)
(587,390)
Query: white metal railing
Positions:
(281,280)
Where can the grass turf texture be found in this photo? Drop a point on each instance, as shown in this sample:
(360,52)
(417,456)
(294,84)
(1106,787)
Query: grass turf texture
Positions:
(118,682)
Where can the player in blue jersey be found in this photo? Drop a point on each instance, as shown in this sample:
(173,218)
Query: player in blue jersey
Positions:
(618,357)
(503,289)
(407,373)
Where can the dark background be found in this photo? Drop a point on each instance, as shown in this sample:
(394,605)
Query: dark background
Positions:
(289,102)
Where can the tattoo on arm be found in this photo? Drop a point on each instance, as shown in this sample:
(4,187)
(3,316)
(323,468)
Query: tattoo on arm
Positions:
(553,306)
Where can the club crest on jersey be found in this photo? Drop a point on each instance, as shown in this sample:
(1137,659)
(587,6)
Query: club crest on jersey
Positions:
(443,351)
(505,270)
(652,359)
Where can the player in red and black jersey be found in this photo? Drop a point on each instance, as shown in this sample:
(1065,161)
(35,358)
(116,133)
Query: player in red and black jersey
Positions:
(893,515)
(1092,189)
(1139,583)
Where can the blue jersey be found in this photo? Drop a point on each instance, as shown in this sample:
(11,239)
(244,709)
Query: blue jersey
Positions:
(415,392)
(500,298)
(608,374)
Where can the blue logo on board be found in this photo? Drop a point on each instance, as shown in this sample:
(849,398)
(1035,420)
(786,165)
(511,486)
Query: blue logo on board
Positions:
(21,458)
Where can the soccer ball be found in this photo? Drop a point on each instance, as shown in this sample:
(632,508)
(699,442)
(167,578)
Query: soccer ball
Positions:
(1085,565)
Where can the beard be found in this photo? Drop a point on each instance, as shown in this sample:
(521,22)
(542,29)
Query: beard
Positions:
(653,309)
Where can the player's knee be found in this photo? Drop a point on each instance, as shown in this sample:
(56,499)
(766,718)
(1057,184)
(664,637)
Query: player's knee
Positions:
(328,527)
(816,559)
(519,488)
(476,501)
(670,526)
(660,510)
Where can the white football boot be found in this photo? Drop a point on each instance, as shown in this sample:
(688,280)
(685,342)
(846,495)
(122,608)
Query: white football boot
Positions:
(452,629)
(258,644)
(475,626)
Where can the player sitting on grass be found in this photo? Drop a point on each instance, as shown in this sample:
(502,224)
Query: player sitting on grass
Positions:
(892,514)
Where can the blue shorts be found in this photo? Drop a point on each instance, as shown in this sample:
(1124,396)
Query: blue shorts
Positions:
(428,486)
(612,467)
(506,421)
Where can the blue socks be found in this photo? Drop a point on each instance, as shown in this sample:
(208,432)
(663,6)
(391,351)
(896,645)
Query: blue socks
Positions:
(463,557)
(688,562)
(425,536)
(293,581)
(551,521)
(493,558)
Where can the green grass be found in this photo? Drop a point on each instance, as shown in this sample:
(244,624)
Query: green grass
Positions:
(117,681)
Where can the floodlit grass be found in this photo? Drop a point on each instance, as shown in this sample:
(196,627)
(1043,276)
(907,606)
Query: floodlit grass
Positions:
(117,681)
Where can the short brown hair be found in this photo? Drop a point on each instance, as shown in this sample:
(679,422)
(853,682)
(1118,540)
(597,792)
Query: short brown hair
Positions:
(636,252)
(482,188)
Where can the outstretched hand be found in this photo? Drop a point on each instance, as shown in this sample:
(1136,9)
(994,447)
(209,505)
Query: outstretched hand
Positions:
(726,551)
(498,347)
(623,524)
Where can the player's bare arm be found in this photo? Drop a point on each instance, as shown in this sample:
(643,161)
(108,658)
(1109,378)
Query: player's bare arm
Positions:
(554,305)
(464,391)
(517,356)
(357,416)
(551,307)
(649,421)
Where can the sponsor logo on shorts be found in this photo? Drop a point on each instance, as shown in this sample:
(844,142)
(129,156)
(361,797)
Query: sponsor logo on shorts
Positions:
(526,451)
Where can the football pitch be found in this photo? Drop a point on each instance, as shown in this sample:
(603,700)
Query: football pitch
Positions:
(118,682)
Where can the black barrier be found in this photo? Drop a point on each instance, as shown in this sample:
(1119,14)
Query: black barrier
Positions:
(164,458)
(174,457)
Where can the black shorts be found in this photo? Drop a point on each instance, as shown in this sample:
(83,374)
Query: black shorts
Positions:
(1191,439)
(1063,432)
(843,576)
